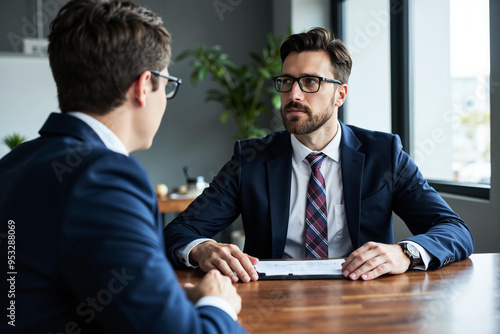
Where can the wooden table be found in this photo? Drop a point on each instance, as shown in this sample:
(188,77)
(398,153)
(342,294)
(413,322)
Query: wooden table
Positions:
(167,205)
(463,297)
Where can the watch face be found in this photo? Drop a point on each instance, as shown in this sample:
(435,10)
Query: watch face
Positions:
(412,250)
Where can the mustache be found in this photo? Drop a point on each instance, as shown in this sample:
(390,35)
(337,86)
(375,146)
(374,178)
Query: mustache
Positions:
(296,105)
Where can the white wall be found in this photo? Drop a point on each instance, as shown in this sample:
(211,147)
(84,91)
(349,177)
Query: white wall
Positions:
(27,93)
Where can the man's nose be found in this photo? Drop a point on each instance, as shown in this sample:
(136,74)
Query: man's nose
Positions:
(296,93)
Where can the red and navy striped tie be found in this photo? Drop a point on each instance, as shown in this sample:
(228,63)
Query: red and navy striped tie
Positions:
(316,216)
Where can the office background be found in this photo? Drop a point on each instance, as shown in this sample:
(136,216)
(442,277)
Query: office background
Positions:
(191,133)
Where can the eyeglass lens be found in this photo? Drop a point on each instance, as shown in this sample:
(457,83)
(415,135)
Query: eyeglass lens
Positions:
(307,84)
(170,89)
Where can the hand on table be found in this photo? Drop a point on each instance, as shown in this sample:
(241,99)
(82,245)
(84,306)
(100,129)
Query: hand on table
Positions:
(214,284)
(373,260)
(227,258)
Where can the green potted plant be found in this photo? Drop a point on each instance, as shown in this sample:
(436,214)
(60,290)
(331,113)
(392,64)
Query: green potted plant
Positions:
(242,90)
(13,140)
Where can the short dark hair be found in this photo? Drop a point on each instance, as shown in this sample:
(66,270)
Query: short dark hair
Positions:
(98,48)
(318,39)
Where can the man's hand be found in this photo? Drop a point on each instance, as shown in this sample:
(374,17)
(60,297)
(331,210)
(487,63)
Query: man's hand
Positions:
(214,284)
(375,259)
(227,258)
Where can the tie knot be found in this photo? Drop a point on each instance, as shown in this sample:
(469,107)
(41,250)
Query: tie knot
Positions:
(315,160)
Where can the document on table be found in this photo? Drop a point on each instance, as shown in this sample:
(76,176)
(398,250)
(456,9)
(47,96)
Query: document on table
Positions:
(299,269)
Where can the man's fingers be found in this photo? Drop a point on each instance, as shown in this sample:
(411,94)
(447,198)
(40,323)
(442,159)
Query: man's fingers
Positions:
(373,260)
(226,269)
(240,263)
(246,262)
(356,262)
(353,257)
(370,269)
(375,272)
(252,259)
(229,260)
(362,260)
(227,290)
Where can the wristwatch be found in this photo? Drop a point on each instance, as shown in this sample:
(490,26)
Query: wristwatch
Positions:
(413,254)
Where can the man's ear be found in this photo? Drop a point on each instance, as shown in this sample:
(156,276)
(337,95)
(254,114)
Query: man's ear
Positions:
(341,95)
(140,88)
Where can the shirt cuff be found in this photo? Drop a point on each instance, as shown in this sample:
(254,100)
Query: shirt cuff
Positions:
(182,253)
(424,255)
(219,303)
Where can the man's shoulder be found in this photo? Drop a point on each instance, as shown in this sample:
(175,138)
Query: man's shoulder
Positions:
(66,158)
(274,144)
(273,137)
(353,136)
(367,134)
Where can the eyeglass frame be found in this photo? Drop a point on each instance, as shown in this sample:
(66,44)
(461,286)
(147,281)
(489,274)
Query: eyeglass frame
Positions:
(300,85)
(176,81)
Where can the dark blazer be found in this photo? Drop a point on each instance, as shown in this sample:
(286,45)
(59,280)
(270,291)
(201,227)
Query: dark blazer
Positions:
(89,250)
(378,178)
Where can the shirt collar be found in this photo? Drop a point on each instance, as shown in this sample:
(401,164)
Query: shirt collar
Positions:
(332,150)
(109,138)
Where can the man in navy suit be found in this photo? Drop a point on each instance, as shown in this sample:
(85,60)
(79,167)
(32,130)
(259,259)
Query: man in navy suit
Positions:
(367,177)
(82,244)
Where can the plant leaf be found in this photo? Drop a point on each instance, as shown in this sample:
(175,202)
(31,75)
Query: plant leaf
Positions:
(243,92)
(185,54)
(224,116)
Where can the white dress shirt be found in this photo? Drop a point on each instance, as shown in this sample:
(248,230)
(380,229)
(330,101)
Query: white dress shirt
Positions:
(339,241)
(112,142)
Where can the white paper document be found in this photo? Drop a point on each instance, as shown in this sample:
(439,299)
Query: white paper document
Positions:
(290,269)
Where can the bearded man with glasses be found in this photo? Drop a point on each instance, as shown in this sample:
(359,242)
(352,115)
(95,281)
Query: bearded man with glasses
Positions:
(319,188)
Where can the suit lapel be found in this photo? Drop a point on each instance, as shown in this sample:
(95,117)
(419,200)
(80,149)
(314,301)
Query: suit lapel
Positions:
(279,172)
(352,163)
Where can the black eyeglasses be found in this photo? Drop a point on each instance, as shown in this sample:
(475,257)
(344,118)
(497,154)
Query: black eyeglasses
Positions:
(172,85)
(307,83)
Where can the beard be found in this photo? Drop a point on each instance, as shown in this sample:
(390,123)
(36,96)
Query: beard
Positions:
(299,126)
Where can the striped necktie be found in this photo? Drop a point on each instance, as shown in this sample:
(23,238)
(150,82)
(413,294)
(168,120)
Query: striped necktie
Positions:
(316,215)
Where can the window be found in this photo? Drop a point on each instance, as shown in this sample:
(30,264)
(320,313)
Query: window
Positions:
(437,83)
(449,89)
(367,37)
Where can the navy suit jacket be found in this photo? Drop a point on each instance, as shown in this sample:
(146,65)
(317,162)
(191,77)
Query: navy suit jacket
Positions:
(88,251)
(378,177)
